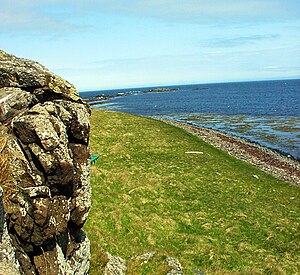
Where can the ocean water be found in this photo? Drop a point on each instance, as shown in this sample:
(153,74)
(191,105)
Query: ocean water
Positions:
(267,112)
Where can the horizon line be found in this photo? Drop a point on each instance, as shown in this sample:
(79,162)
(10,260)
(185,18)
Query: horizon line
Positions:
(188,84)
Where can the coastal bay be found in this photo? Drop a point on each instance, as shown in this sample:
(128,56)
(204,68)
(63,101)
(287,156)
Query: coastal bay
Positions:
(265,112)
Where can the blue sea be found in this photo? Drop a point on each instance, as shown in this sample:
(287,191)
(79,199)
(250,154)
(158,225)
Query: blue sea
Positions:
(266,112)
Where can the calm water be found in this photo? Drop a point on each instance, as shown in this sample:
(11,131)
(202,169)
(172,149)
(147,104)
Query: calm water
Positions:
(267,112)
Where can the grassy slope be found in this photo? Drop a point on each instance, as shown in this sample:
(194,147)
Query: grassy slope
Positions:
(207,210)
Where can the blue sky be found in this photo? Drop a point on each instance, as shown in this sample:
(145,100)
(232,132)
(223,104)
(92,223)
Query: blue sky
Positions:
(120,43)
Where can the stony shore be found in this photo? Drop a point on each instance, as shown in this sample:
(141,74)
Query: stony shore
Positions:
(269,161)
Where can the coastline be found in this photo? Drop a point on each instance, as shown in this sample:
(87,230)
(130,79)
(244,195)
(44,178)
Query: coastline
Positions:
(102,98)
(267,160)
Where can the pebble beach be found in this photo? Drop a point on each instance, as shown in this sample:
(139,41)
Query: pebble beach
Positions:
(270,161)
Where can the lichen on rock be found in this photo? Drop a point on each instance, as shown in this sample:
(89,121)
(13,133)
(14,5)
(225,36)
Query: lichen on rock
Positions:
(45,126)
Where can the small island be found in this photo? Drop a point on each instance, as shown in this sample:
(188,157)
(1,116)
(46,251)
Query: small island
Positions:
(161,90)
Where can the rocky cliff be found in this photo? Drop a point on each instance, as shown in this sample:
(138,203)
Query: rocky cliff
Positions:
(44,171)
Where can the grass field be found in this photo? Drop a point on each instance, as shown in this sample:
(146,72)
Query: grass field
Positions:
(214,213)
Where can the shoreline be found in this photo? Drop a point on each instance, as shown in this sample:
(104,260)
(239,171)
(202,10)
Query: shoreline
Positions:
(266,159)
(101,98)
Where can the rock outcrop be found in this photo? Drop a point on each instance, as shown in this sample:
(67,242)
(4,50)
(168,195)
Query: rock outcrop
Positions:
(44,171)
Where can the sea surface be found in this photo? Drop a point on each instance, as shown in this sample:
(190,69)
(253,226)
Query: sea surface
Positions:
(266,112)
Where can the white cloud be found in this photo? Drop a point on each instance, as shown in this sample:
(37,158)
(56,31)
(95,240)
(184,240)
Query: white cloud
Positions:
(35,17)
(198,10)
(240,40)
(61,14)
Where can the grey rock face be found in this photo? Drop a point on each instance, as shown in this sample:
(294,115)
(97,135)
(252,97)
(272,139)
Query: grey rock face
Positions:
(115,265)
(176,266)
(45,132)
(32,77)
(8,262)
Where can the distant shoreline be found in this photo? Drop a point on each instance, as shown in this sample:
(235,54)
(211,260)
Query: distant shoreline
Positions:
(266,159)
(82,92)
(101,98)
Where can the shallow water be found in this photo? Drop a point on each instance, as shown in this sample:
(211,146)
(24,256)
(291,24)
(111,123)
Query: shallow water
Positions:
(277,132)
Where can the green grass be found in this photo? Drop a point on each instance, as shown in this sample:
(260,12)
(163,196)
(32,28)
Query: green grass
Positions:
(211,211)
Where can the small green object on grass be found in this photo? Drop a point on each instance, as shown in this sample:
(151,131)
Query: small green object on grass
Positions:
(94,158)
